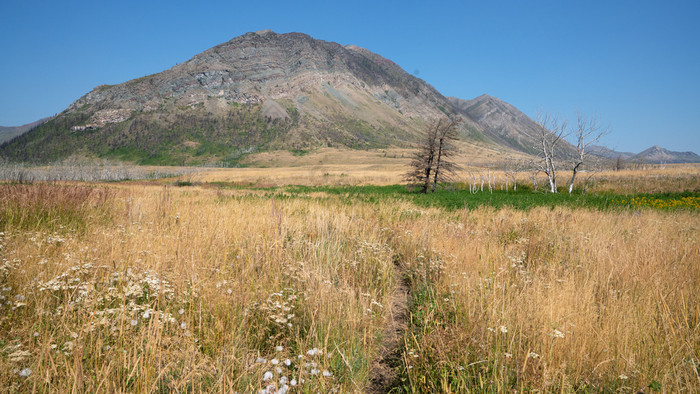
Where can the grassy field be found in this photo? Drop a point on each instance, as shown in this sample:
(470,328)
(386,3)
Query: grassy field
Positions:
(247,280)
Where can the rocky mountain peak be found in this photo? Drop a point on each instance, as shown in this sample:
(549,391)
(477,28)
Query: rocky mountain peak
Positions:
(262,91)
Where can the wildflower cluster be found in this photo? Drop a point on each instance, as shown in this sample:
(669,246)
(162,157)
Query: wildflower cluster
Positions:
(371,252)
(278,308)
(683,202)
(18,356)
(429,264)
(284,371)
(118,296)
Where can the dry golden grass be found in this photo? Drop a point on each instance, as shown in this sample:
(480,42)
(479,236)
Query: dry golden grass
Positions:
(143,288)
(651,179)
(184,290)
(559,300)
(346,167)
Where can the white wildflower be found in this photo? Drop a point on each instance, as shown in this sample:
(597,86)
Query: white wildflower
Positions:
(25,372)
(533,355)
(287,362)
(293,382)
(504,329)
(275,361)
(557,334)
(326,373)
(134,322)
(181,311)
(279,348)
(624,377)
(267,375)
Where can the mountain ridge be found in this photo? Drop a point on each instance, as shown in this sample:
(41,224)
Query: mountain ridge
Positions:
(265,91)
(652,155)
(211,106)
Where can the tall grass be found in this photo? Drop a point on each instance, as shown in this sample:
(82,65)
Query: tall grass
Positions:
(557,300)
(196,291)
(138,288)
(49,206)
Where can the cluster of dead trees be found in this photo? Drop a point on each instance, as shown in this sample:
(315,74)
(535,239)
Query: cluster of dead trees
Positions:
(552,131)
(434,163)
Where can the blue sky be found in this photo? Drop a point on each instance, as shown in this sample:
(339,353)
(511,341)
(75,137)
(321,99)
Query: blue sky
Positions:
(635,64)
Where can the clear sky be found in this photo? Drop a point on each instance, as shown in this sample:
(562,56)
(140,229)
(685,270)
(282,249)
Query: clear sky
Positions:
(636,64)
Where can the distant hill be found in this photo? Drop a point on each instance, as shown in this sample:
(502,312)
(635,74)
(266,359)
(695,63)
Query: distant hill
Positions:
(653,155)
(8,133)
(503,124)
(608,153)
(656,154)
(264,91)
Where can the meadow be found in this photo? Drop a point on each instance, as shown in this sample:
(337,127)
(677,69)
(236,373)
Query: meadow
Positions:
(332,278)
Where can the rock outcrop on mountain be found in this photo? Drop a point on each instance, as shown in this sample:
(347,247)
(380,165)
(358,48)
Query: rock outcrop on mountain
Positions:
(263,91)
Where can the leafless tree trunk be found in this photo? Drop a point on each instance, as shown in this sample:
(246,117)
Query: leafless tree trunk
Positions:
(511,169)
(444,166)
(587,132)
(432,164)
(619,163)
(552,131)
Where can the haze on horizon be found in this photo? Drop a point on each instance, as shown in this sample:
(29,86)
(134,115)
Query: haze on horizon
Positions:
(634,66)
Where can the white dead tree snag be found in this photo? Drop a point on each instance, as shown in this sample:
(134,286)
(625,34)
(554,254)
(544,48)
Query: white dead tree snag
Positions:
(511,169)
(552,131)
(587,132)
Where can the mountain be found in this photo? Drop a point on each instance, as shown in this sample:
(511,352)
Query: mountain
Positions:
(263,91)
(8,133)
(608,153)
(503,124)
(657,155)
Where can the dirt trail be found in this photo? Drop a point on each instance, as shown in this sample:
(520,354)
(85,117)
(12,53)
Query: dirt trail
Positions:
(384,376)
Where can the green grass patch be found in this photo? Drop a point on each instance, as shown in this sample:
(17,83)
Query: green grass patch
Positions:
(524,198)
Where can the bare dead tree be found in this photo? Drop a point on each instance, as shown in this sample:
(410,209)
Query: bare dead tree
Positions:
(423,159)
(552,131)
(445,167)
(619,163)
(587,132)
(511,169)
(433,163)
(593,171)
